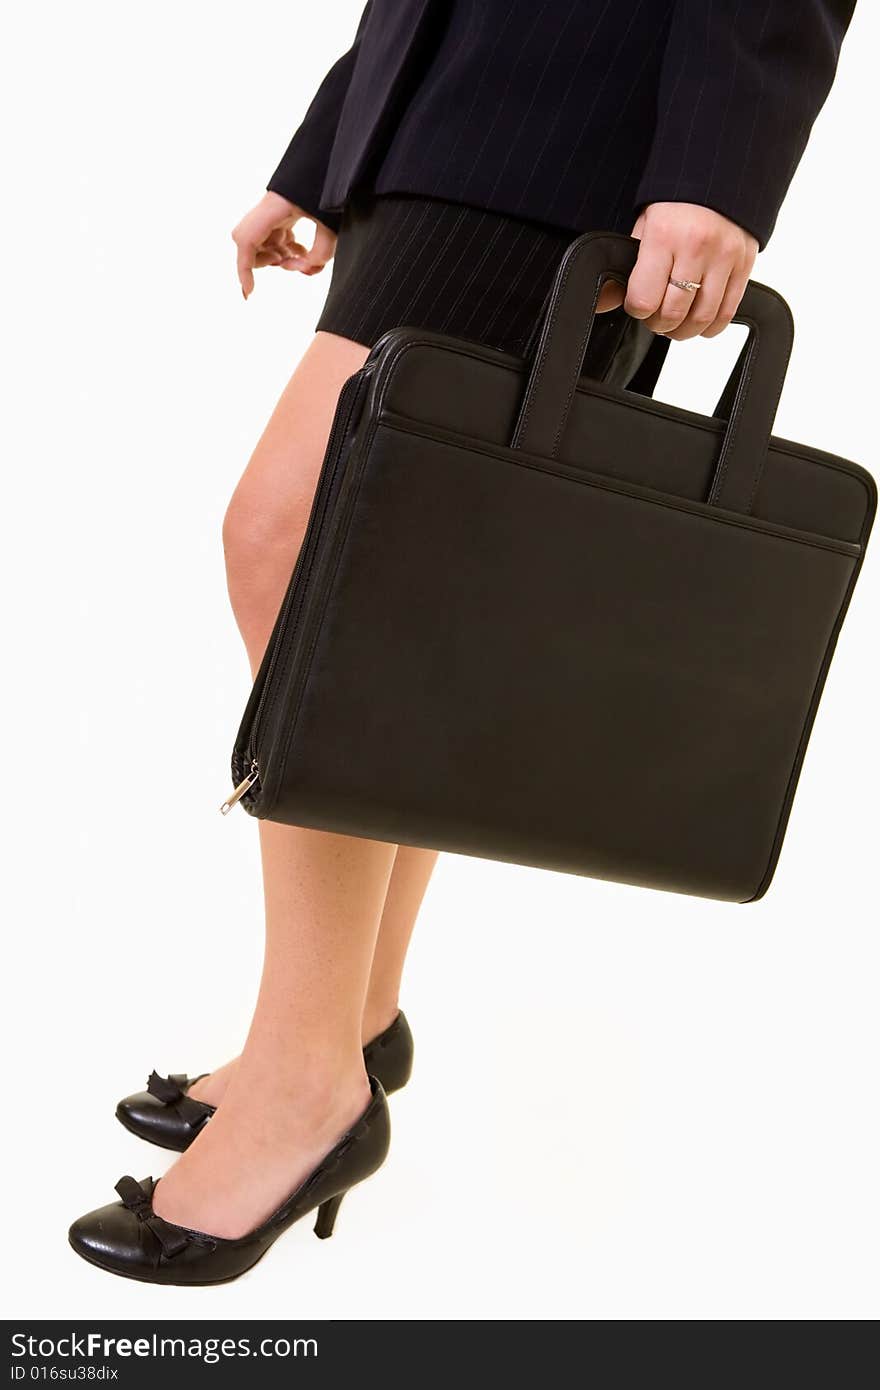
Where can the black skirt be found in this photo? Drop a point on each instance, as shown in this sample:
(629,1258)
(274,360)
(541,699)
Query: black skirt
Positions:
(407,261)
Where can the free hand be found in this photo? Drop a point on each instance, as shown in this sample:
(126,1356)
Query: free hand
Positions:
(686,241)
(264,236)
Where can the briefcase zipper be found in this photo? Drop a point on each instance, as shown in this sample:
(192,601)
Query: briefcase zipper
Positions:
(245,786)
(293,601)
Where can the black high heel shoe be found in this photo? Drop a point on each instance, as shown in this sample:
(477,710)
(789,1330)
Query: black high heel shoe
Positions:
(165,1114)
(128,1238)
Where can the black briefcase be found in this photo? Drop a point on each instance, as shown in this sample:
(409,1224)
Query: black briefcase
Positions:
(542,619)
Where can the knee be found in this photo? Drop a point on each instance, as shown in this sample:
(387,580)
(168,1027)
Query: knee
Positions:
(262,535)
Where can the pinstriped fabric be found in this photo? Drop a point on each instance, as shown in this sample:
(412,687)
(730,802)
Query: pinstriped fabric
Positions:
(416,142)
(427,255)
(382,258)
(703,54)
(725,97)
(535,109)
(506,320)
(488,246)
(481,315)
(598,91)
(526,45)
(607,165)
(571,112)
(446,267)
(565,97)
(756,124)
(741,85)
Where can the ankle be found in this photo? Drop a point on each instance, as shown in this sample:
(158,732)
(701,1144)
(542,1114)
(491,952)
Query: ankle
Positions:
(212,1087)
(309,1085)
(319,1094)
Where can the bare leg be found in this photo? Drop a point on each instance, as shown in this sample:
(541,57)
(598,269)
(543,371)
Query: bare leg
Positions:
(409,879)
(269,510)
(300,1079)
(406,888)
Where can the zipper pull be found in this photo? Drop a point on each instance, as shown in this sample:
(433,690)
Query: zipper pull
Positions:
(245,786)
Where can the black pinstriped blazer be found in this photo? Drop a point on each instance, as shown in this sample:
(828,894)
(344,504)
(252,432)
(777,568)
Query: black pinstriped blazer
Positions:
(574,112)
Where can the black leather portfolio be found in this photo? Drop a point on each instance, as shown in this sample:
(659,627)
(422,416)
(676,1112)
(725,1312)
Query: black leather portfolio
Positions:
(545,619)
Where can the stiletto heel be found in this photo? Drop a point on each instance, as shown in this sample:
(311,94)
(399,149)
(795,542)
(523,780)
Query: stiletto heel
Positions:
(327,1213)
(128,1238)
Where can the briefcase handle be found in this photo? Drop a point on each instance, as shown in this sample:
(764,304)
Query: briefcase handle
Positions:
(754,388)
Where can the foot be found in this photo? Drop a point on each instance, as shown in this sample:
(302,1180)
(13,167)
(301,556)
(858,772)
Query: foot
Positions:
(128,1237)
(212,1088)
(173,1110)
(266,1139)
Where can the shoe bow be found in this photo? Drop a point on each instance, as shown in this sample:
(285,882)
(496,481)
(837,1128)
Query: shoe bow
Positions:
(170,1092)
(171,1238)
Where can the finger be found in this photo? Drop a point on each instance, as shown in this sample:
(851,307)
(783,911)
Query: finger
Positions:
(610,296)
(677,303)
(736,288)
(323,246)
(277,247)
(705,305)
(290,246)
(319,253)
(275,241)
(612,293)
(294,255)
(245,267)
(647,283)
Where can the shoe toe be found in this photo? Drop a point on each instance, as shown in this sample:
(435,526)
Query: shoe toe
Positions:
(113,1238)
(143,1112)
(158,1123)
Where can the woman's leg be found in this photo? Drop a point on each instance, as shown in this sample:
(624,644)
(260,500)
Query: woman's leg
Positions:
(409,879)
(271,508)
(406,888)
(300,1079)
(264,525)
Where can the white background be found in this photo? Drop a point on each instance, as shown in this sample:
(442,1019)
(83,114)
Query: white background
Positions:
(626,1104)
